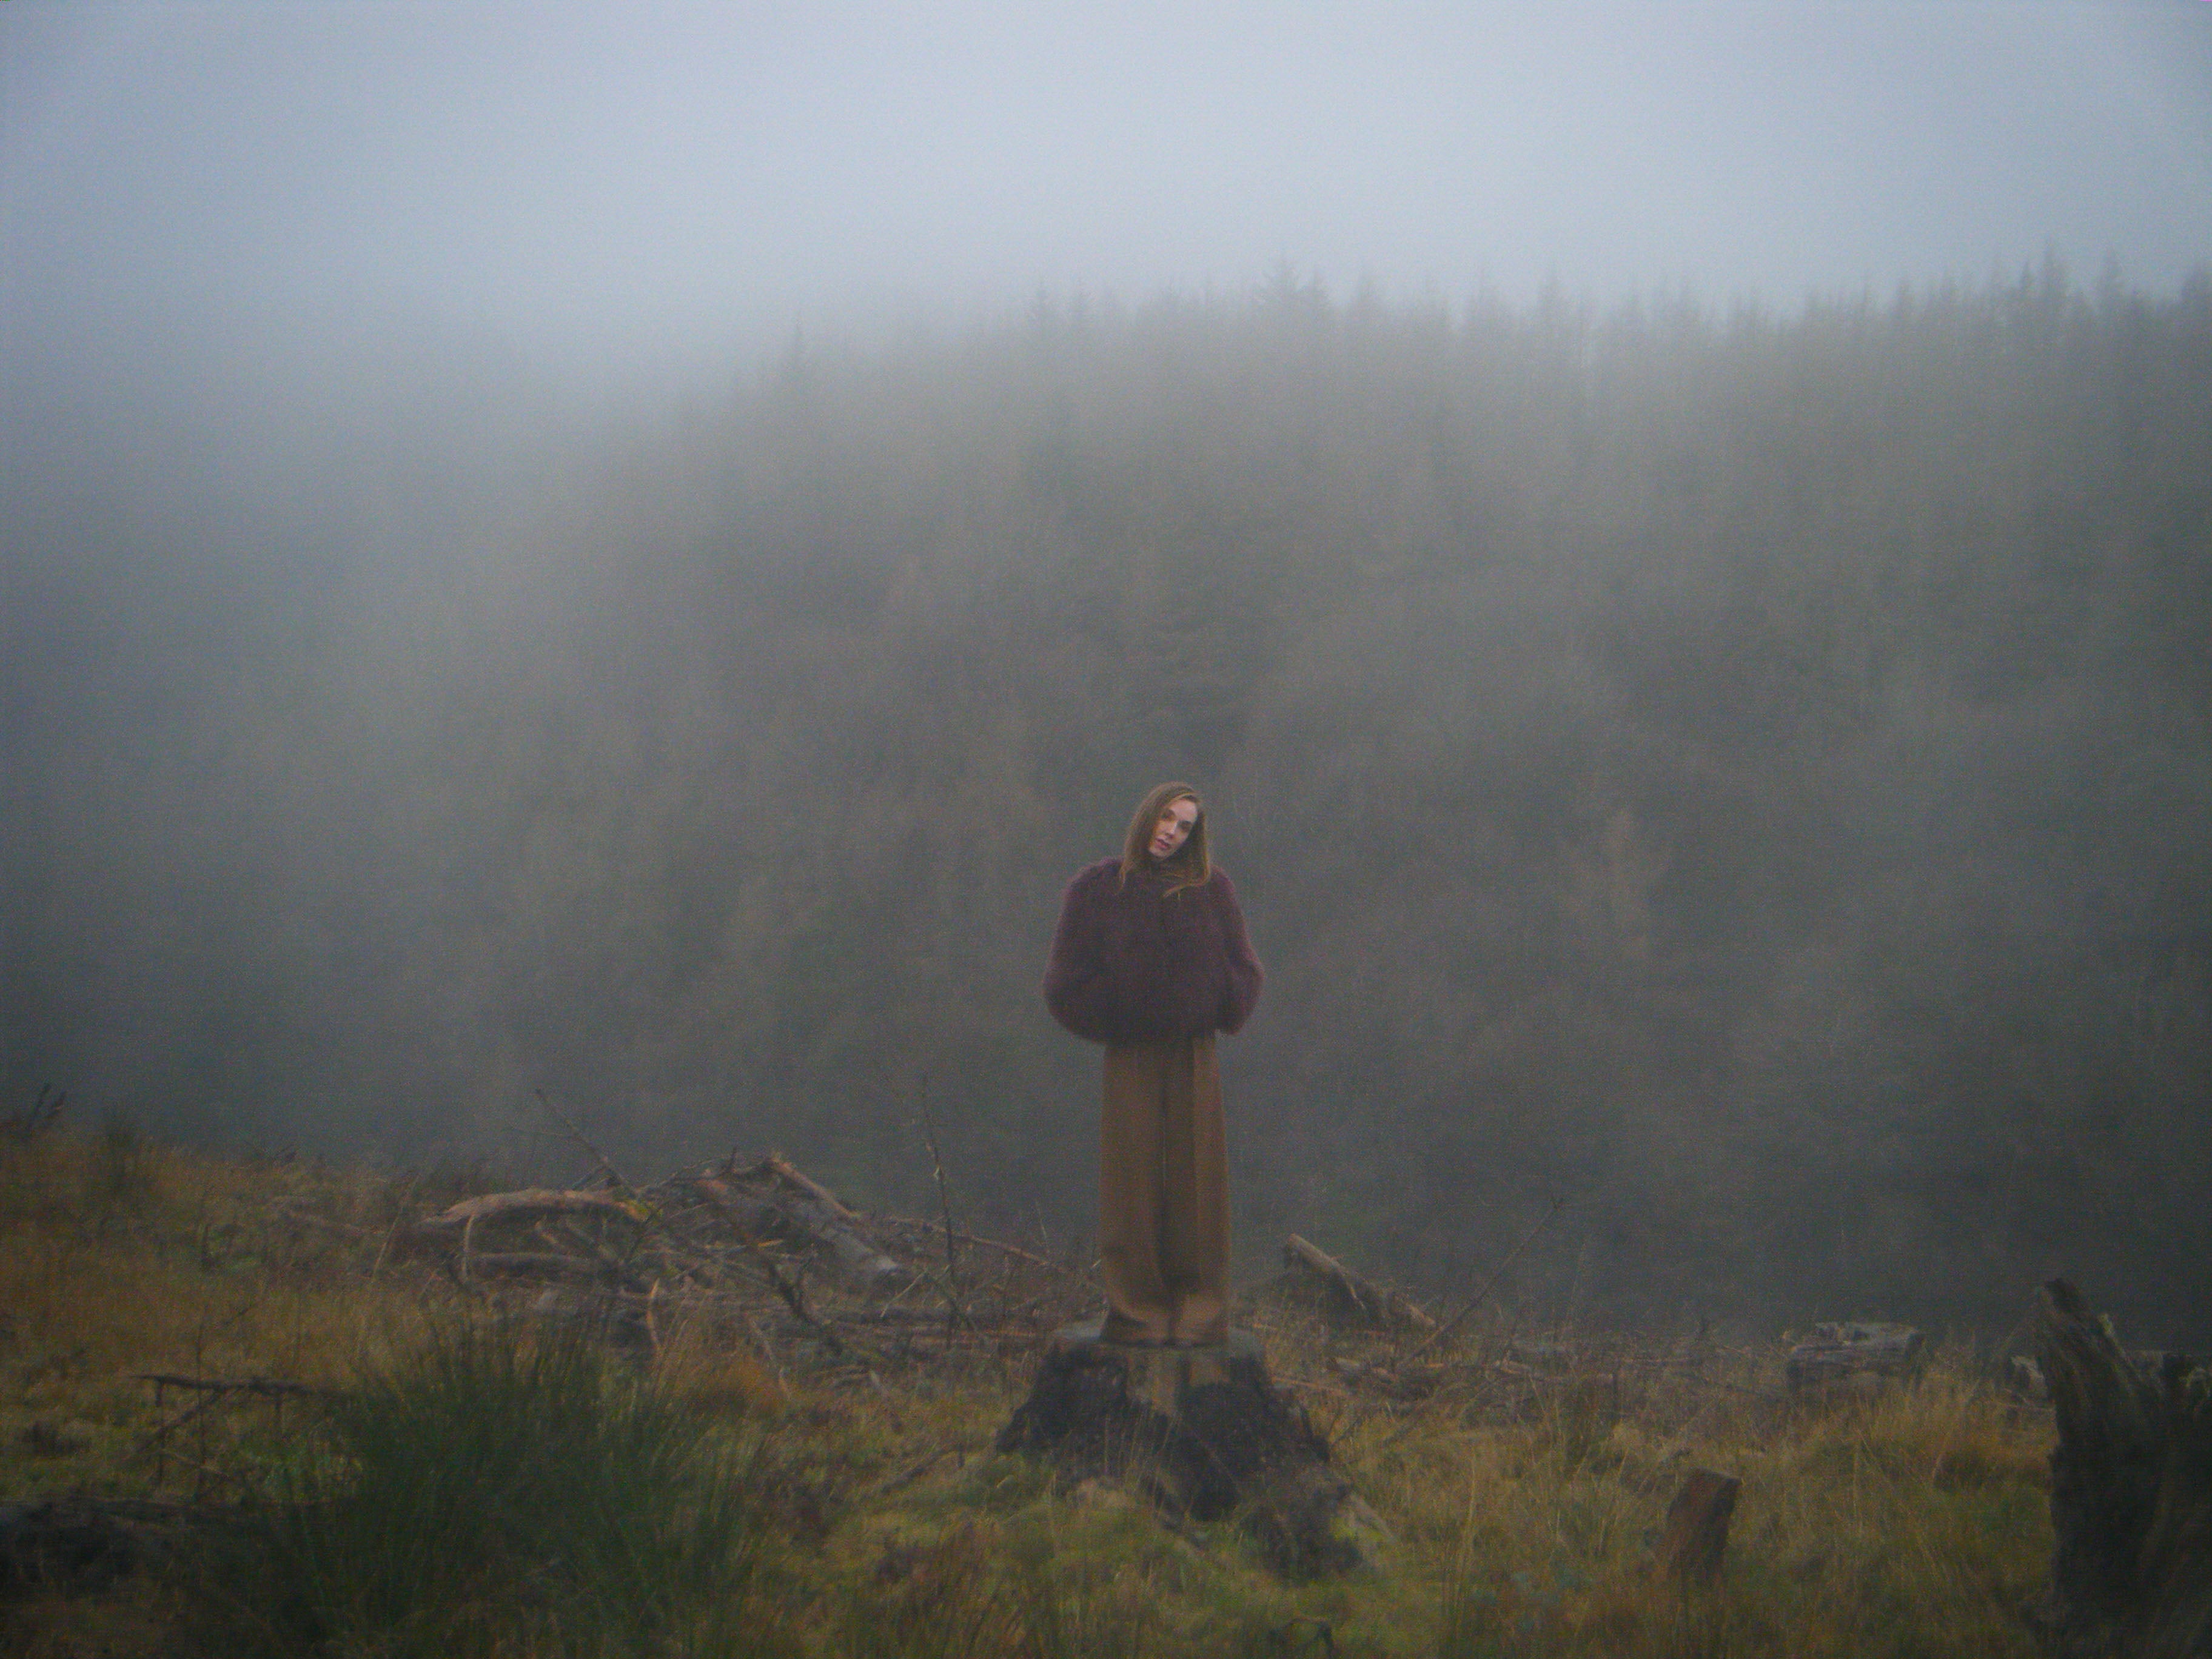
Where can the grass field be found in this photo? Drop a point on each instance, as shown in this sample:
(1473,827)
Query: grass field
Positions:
(467,1480)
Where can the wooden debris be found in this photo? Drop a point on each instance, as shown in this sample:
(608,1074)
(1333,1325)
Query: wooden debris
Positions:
(2130,1491)
(208,1393)
(720,1244)
(1853,1354)
(801,1210)
(1349,1300)
(1695,1540)
(1204,1435)
(1490,1284)
(775,1168)
(1401,1383)
(532,1201)
(267,1387)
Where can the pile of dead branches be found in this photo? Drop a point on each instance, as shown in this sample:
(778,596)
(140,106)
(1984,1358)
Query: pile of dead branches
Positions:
(761,1246)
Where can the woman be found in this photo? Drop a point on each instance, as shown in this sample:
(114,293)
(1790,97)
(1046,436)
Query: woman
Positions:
(1150,958)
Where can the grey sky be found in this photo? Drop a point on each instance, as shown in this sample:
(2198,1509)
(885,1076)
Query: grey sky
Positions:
(587,179)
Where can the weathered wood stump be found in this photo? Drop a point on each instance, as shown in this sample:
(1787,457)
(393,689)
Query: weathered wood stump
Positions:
(2130,1492)
(1203,1435)
(1695,1541)
(1851,1356)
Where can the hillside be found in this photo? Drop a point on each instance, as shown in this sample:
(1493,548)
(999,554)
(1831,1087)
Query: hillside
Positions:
(718,1481)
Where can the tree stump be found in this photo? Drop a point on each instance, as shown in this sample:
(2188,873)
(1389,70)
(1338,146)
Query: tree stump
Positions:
(1695,1541)
(1203,1435)
(2130,1492)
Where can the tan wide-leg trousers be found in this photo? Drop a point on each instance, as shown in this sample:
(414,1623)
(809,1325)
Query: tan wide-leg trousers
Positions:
(1164,1194)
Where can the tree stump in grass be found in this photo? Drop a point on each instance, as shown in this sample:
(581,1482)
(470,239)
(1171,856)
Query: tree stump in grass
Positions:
(2130,1492)
(1203,1435)
(1695,1541)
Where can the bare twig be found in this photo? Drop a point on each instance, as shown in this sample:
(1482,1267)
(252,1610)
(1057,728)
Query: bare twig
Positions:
(830,1227)
(1015,1251)
(568,1128)
(788,1288)
(1511,1256)
(953,1311)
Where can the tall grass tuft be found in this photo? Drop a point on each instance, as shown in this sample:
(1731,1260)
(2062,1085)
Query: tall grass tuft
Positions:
(501,1493)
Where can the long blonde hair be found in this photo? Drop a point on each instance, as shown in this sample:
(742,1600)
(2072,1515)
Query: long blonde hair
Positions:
(1190,865)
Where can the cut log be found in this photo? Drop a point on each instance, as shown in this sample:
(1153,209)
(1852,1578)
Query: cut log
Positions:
(775,1168)
(778,1202)
(1853,1354)
(1203,1434)
(1349,1300)
(755,1219)
(1695,1541)
(2130,1491)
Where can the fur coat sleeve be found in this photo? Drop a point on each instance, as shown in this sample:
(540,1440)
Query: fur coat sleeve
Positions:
(1132,964)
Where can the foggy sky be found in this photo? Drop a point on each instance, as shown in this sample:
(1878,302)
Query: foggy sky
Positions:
(592,184)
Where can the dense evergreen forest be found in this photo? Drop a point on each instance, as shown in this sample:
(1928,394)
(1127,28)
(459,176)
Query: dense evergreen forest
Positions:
(1746,775)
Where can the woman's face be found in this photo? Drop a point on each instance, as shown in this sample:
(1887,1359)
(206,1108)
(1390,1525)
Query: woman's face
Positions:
(1174,827)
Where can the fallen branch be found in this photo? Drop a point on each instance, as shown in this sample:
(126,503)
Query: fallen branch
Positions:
(532,1200)
(164,1381)
(737,1234)
(1349,1296)
(1488,1284)
(568,1128)
(1015,1251)
(787,1288)
(812,1211)
(775,1167)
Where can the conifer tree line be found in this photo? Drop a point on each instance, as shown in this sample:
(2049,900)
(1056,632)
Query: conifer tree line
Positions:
(1747,775)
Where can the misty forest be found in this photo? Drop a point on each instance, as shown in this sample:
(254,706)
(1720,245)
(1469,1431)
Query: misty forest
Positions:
(1743,777)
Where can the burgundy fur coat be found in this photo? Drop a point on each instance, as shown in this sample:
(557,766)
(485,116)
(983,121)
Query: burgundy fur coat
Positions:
(1132,964)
